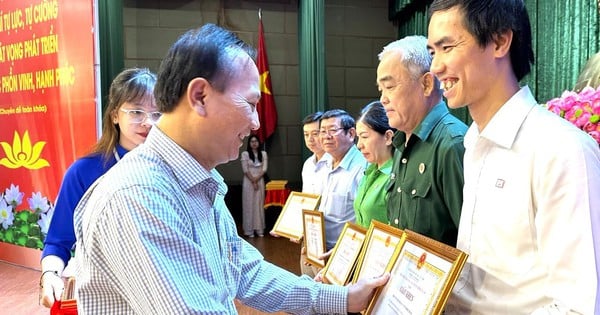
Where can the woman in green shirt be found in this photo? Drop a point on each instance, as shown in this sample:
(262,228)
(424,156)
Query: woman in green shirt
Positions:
(375,143)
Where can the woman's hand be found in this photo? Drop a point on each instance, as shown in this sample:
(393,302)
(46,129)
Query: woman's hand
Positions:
(51,288)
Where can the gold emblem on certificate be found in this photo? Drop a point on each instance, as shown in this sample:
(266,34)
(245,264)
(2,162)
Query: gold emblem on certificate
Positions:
(423,273)
(380,245)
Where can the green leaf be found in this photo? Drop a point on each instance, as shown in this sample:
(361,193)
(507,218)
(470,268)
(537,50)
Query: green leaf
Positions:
(9,236)
(32,242)
(21,240)
(24,229)
(33,218)
(23,215)
(35,230)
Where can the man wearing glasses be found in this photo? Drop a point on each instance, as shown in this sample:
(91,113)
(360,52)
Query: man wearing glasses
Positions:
(345,170)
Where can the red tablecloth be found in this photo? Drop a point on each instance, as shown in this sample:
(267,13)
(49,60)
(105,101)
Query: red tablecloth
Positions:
(276,197)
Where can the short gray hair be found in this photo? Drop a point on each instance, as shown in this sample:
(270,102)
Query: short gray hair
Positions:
(413,54)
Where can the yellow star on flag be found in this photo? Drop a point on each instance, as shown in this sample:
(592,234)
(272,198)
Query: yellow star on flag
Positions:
(263,83)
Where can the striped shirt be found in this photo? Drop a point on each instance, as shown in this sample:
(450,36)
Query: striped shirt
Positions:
(154,236)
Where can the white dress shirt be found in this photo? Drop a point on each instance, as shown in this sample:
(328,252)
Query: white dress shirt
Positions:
(314,173)
(531,180)
(337,200)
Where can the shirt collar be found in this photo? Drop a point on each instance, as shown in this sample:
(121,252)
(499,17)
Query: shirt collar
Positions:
(424,129)
(121,151)
(386,168)
(504,126)
(185,168)
(349,157)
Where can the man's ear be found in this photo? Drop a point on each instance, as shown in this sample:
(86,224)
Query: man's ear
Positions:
(427,81)
(502,43)
(352,132)
(389,135)
(197,92)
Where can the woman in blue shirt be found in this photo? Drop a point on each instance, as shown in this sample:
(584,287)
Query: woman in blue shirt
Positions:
(130,114)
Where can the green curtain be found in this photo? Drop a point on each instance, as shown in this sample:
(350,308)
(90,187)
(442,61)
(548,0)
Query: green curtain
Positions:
(565,35)
(110,24)
(412,17)
(311,45)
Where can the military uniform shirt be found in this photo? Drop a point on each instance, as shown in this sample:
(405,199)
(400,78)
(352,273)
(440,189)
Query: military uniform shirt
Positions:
(425,187)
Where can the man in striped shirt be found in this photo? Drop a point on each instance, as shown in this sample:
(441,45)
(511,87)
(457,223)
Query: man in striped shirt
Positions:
(154,235)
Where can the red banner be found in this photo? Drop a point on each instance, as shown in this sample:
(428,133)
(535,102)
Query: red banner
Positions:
(267,111)
(47,107)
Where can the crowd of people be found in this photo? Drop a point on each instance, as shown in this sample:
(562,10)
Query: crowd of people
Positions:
(518,190)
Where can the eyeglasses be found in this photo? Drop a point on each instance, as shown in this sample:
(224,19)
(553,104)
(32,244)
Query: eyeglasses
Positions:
(137,116)
(331,131)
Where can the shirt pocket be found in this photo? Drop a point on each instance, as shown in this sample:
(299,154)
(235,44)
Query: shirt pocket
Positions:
(419,219)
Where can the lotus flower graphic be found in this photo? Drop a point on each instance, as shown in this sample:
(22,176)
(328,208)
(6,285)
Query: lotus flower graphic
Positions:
(22,154)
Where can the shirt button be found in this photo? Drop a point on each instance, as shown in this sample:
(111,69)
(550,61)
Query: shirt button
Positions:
(404,160)
(414,191)
(396,221)
(399,189)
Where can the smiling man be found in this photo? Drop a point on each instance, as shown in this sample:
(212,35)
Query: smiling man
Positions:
(425,187)
(531,178)
(154,235)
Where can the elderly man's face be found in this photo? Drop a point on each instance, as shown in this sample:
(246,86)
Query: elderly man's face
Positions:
(236,114)
(402,95)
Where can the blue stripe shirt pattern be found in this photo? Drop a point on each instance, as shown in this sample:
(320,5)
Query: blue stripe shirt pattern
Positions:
(154,236)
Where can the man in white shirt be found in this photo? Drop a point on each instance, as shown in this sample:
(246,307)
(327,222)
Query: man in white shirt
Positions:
(314,172)
(337,134)
(531,178)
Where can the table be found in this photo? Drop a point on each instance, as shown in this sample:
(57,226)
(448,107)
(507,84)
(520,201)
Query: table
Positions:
(276,197)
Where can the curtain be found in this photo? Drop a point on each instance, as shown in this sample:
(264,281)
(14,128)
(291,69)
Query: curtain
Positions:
(110,24)
(565,36)
(311,45)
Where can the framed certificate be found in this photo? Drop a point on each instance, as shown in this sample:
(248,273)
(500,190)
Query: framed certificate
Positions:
(314,236)
(382,242)
(345,253)
(289,223)
(423,273)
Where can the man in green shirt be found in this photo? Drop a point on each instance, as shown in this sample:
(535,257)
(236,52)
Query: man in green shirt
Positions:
(424,193)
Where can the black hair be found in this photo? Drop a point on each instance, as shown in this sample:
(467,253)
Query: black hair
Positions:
(345,119)
(373,115)
(311,118)
(249,149)
(486,19)
(209,52)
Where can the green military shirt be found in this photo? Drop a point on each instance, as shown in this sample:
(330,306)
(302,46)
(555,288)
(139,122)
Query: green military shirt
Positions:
(425,188)
(370,201)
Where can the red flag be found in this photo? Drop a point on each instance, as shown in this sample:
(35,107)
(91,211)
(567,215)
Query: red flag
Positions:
(267,112)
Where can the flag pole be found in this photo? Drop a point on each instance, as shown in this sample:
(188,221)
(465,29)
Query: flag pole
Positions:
(259,13)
